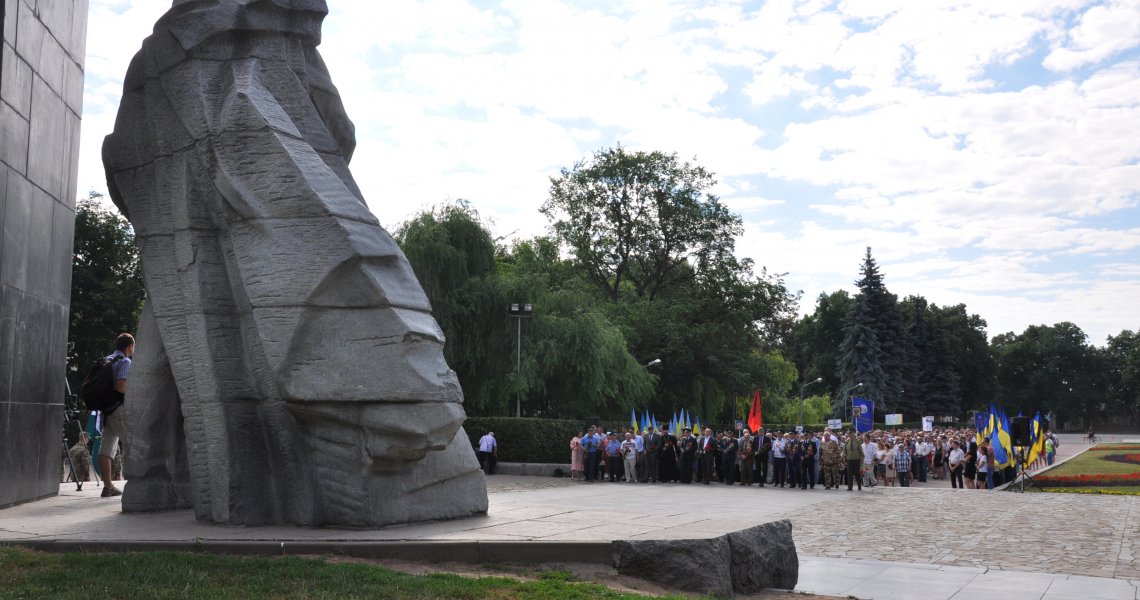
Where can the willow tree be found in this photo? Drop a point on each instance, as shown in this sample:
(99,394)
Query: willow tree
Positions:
(453,255)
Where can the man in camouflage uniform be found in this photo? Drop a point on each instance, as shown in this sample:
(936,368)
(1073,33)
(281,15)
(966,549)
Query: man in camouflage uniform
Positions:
(831,459)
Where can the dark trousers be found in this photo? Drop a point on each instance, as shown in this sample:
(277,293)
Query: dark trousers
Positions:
(487,462)
(853,475)
(956,478)
(904,479)
(728,469)
(795,472)
(762,468)
(591,466)
(780,474)
(922,468)
(708,465)
(613,467)
(650,465)
(686,469)
(809,475)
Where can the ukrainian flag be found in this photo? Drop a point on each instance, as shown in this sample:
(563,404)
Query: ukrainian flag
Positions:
(633,421)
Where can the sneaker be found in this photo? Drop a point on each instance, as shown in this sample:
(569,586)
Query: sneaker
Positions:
(111,491)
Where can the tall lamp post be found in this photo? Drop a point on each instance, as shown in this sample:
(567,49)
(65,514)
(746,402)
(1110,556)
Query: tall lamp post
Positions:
(847,398)
(802,388)
(519,312)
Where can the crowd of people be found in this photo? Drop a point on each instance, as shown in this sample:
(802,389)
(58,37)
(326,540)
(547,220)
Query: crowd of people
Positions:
(791,459)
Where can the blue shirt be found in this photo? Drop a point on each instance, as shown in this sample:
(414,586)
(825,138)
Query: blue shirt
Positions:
(589,443)
(122,368)
(613,448)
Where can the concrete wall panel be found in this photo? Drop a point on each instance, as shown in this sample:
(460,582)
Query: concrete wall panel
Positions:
(41,96)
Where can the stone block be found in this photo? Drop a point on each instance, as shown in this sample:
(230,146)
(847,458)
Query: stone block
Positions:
(41,252)
(29,34)
(34,439)
(763,557)
(47,139)
(14,238)
(77,44)
(56,17)
(9,317)
(10,21)
(34,370)
(7,464)
(63,243)
(16,82)
(13,139)
(699,566)
(73,86)
(70,165)
(52,64)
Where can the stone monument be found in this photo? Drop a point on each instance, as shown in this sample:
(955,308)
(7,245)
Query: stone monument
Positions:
(288,367)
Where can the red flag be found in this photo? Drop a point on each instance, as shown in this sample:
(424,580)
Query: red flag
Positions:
(755,420)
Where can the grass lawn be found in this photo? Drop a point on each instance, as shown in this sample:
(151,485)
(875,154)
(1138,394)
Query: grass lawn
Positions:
(83,576)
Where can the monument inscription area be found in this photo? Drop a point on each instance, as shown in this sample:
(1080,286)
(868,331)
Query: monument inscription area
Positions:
(288,368)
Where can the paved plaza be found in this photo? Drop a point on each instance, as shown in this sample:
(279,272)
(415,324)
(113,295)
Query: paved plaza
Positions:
(878,543)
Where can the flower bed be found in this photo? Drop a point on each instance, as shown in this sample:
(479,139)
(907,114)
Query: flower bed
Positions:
(1105,469)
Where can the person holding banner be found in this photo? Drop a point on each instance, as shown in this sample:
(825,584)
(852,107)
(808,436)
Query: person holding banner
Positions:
(853,454)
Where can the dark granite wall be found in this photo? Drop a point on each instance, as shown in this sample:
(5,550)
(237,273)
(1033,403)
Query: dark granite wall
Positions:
(41,96)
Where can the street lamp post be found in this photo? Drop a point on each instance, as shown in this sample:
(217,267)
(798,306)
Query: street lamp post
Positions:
(802,388)
(519,312)
(847,398)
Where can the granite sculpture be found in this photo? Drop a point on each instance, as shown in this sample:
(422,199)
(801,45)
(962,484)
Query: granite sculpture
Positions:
(288,368)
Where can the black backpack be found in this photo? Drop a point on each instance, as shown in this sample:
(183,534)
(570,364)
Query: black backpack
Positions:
(98,391)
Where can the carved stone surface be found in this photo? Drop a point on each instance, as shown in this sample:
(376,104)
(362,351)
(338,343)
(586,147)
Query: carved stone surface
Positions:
(700,566)
(743,562)
(764,556)
(288,366)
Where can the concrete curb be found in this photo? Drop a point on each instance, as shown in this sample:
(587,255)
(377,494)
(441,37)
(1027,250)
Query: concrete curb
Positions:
(462,551)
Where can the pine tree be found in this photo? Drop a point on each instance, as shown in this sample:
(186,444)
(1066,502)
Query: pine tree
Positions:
(886,321)
(943,393)
(859,357)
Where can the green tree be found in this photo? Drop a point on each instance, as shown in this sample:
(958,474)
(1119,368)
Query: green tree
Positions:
(1051,368)
(970,354)
(657,249)
(880,314)
(859,358)
(106,284)
(453,256)
(638,219)
(1122,356)
(815,339)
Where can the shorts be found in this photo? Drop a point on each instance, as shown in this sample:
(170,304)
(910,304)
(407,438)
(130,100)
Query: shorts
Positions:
(981,476)
(113,430)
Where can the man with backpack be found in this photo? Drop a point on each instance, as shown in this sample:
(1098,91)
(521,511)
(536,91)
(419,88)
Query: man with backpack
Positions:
(103,390)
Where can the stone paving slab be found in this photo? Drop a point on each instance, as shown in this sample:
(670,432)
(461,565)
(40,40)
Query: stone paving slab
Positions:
(865,579)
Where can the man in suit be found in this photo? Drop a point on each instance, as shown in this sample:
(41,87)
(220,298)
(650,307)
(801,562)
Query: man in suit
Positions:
(688,446)
(763,455)
(729,446)
(708,450)
(652,442)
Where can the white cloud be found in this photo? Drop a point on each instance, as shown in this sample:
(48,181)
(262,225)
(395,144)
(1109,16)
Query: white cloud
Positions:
(831,127)
(1103,31)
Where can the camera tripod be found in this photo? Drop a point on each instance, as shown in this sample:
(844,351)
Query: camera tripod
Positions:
(1023,479)
(71,414)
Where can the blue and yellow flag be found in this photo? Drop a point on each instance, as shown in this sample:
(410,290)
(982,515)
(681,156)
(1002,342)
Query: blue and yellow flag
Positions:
(633,421)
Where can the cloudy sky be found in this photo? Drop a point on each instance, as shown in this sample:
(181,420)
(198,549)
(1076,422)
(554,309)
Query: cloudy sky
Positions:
(986,151)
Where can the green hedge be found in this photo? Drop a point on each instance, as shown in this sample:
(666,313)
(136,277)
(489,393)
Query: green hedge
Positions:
(548,440)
